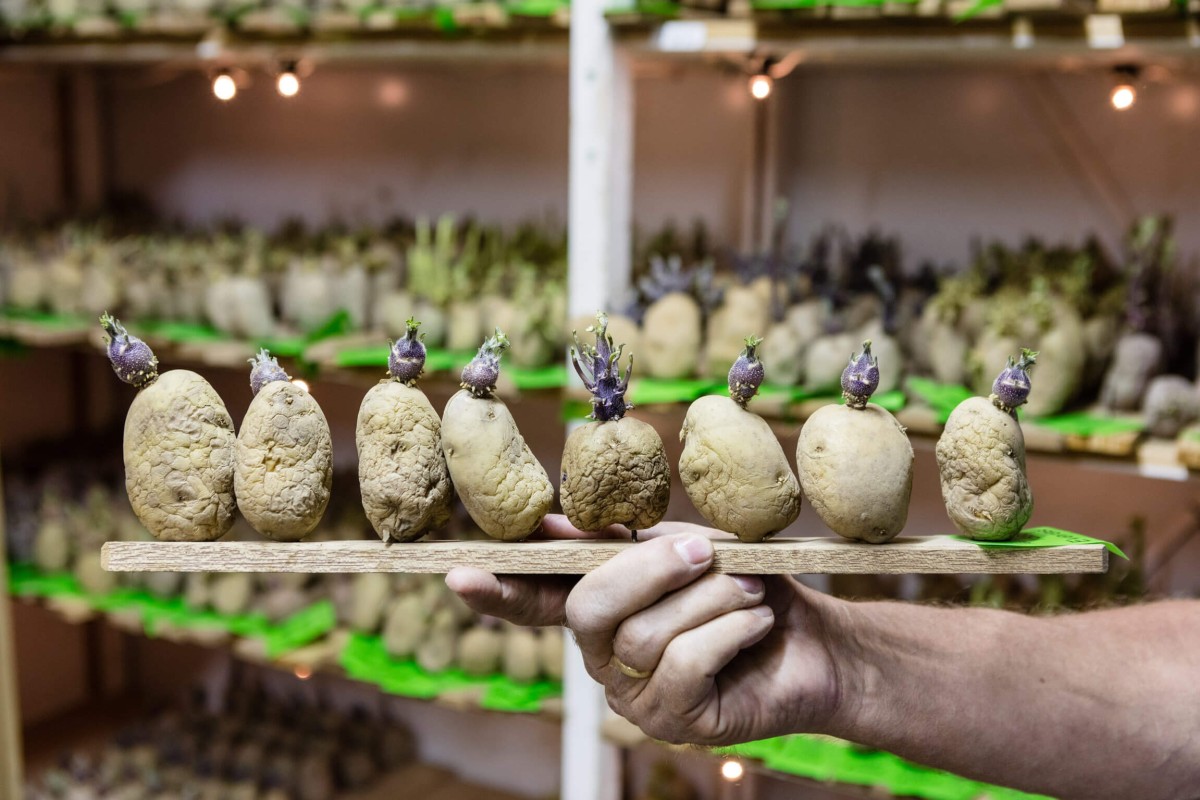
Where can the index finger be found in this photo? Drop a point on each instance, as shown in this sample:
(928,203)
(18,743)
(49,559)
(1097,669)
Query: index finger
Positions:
(629,582)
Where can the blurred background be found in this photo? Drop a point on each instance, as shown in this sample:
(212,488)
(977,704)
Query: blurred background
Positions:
(953,179)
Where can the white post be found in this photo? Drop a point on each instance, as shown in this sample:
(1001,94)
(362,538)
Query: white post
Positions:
(599,219)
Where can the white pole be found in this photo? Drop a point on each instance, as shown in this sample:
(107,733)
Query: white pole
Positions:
(599,219)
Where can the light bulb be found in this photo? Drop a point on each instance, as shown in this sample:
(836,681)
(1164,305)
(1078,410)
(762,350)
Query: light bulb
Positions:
(287,84)
(302,384)
(224,87)
(302,672)
(760,87)
(1123,97)
(732,770)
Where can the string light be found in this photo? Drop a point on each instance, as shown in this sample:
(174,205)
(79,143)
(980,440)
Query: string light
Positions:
(302,672)
(760,86)
(224,87)
(288,83)
(1123,96)
(732,770)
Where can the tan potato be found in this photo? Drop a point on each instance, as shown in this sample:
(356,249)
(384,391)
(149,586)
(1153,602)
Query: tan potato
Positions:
(521,662)
(479,650)
(981,460)
(615,472)
(856,469)
(179,458)
(504,488)
(402,473)
(404,625)
(671,337)
(284,468)
(550,652)
(735,471)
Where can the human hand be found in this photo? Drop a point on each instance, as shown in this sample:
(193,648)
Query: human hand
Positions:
(727,658)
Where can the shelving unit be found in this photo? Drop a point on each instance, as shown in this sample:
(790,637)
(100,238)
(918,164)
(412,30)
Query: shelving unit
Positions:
(608,51)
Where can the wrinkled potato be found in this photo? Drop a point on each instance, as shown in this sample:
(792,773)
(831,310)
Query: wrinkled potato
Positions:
(615,473)
(506,491)
(735,471)
(981,459)
(179,459)
(856,469)
(284,468)
(402,472)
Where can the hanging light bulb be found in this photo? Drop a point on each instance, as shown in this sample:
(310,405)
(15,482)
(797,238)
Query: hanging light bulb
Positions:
(1124,95)
(760,86)
(288,83)
(732,770)
(224,87)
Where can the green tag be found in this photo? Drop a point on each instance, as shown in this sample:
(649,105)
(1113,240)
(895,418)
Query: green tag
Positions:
(339,323)
(941,397)
(1082,424)
(652,391)
(1046,537)
(552,377)
(284,348)
(301,628)
(535,8)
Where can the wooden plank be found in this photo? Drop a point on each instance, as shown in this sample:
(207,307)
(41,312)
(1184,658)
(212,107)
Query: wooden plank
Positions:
(11,757)
(933,554)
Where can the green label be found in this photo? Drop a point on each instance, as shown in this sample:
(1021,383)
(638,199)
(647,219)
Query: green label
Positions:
(1046,537)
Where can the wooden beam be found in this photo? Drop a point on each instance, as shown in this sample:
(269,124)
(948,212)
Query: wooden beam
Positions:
(11,750)
(931,554)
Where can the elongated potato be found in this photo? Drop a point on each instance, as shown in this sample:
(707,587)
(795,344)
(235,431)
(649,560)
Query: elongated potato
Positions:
(178,445)
(504,488)
(402,474)
(284,469)
(855,461)
(732,466)
(981,459)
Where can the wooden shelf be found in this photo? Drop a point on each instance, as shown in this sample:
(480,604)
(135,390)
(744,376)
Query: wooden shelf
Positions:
(932,554)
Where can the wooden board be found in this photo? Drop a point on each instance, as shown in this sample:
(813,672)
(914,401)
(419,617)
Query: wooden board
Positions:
(932,554)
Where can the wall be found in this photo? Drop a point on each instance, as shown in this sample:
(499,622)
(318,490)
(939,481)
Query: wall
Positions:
(939,155)
(366,143)
(29,176)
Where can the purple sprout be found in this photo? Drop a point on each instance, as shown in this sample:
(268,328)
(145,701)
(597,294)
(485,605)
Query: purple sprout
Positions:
(1011,387)
(479,377)
(265,370)
(860,378)
(747,373)
(406,361)
(132,359)
(599,368)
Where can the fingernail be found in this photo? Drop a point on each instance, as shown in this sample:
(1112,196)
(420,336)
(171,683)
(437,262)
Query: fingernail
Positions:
(695,549)
(763,611)
(749,584)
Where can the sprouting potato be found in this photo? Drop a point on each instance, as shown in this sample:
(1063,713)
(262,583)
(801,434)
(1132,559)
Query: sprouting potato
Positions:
(178,445)
(732,466)
(981,459)
(855,461)
(405,484)
(284,469)
(614,469)
(504,488)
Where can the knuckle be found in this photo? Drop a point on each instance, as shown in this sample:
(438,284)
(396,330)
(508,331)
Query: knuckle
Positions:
(634,637)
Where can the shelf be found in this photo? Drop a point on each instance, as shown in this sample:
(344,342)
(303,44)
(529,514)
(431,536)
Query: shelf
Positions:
(907,554)
(869,35)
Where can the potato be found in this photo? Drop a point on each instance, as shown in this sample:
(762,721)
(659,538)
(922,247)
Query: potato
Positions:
(402,473)
(550,653)
(981,460)
(671,337)
(521,662)
(855,461)
(479,650)
(784,351)
(1136,359)
(404,625)
(742,309)
(284,468)
(1171,403)
(369,593)
(92,577)
(504,488)
(1064,358)
(435,652)
(824,360)
(230,592)
(178,445)
(614,469)
(735,471)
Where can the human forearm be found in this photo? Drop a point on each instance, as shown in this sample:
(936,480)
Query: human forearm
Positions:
(1096,705)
